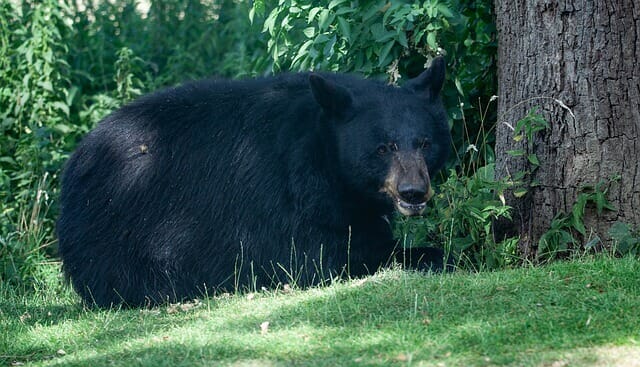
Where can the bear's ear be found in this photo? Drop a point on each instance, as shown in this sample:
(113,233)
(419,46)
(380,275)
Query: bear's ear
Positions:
(332,97)
(430,81)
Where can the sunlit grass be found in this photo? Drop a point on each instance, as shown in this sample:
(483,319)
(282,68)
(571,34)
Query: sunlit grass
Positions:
(581,313)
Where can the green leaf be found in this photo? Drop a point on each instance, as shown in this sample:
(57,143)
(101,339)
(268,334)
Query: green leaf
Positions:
(533,159)
(345,10)
(46,85)
(578,224)
(335,3)
(309,32)
(8,160)
(593,242)
(345,28)
(444,10)
(328,47)
(285,22)
(302,53)
(431,40)
(324,19)
(516,152)
(372,12)
(459,86)
(519,192)
(486,173)
(322,38)
(258,9)
(402,39)
(417,37)
(385,52)
(602,202)
(71,95)
(62,107)
(577,213)
(626,240)
(312,14)
(62,128)
(270,22)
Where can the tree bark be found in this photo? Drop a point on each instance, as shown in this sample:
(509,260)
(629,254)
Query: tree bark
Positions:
(579,61)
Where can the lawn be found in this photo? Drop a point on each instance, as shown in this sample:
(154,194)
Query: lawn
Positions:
(583,312)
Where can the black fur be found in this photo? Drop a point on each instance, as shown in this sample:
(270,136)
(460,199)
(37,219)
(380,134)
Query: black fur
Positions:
(220,184)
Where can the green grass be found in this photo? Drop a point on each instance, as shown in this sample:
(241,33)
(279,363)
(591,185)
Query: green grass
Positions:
(584,312)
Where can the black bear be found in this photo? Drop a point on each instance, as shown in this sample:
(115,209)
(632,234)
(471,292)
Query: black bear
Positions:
(220,185)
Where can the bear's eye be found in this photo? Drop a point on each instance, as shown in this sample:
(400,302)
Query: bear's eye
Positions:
(386,148)
(382,149)
(425,143)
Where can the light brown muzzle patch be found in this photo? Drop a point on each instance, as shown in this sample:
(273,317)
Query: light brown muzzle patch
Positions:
(407,183)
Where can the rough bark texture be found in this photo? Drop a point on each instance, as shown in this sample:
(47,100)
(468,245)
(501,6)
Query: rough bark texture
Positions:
(587,55)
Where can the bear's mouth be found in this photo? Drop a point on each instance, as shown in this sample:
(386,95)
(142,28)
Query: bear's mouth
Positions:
(410,209)
(406,208)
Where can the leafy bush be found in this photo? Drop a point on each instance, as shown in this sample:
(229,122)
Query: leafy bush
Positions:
(66,64)
(567,231)
(341,35)
(460,219)
(397,39)
(626,238)
(35,99)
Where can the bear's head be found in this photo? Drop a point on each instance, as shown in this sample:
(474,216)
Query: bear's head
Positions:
(389,140)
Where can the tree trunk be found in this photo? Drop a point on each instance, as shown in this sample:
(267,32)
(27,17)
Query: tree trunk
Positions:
(579,61)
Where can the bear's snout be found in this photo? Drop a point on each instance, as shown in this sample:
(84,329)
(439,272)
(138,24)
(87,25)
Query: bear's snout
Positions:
(412,193)
(407,183)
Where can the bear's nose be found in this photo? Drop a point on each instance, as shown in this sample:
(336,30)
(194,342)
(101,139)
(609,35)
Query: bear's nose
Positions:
(412,193)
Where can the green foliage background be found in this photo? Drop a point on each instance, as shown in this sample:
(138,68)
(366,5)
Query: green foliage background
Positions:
(66,64)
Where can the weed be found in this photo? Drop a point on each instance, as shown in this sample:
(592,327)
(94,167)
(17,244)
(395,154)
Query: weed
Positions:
(566,229)
(461,215)
(626,239)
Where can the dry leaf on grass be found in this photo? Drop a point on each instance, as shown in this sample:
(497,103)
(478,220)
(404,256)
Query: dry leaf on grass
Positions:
(264,328)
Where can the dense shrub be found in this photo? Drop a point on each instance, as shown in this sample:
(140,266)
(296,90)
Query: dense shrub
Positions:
(66,64)
(394,40)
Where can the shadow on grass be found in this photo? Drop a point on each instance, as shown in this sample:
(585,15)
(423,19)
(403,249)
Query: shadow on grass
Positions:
(387,319)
